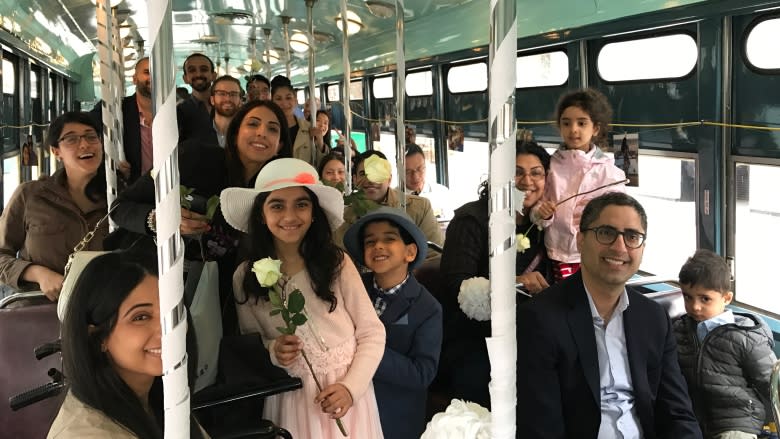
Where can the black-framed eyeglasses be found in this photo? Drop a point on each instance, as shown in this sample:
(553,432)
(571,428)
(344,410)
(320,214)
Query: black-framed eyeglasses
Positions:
(71,140)
(607,235)
(226,94)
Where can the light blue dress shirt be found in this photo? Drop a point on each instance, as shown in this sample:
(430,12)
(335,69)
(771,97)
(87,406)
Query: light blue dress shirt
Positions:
(619,419)
(705,327)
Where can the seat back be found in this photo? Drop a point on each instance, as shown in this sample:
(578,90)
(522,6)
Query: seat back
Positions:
(22,329)
(428,275)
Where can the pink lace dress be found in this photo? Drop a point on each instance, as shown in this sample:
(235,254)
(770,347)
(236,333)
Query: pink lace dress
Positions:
(344,346)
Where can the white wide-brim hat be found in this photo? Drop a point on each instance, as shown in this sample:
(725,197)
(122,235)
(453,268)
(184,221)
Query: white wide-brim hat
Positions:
(279,174)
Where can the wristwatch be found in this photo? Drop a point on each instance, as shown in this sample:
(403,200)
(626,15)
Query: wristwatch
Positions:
(151,222)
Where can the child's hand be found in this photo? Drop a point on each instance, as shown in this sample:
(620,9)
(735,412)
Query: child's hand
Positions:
(287,348)
(546,209)
(334,399)
(193,223)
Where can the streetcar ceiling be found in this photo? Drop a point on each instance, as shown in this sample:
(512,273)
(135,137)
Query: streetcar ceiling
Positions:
(66,29)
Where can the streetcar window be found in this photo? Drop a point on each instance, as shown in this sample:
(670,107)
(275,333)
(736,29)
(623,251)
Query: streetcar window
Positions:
(356,90)
(542,70)
(383,87)
(33,84)
(419,84)
(333,92)
(468,78)
(761,44)
(757,216)
(301,96)
(664,57)
(9,77)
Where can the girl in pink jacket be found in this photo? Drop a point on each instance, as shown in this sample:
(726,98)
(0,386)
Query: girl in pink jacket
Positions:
(578,166)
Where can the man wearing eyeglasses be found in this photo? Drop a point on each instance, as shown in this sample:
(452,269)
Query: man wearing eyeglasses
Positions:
(225,101)
(594,358)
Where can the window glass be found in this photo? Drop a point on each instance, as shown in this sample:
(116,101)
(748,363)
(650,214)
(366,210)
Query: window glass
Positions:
(666,191)
(383,87)
(761,44)
(467,167)
(757,216)
(301,96)
(419,84)
(542,70)
(10,177)
(669,56)
(334,92)
(33,84)
(9,77)
(356,91)
(466,78)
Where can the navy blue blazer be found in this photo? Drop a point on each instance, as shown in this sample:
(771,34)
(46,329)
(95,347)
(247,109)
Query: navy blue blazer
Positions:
(414,332)
(558,389)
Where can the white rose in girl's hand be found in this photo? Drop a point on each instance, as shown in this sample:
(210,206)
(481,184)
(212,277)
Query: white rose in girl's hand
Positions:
(268,271)
(377,169)
(474,298)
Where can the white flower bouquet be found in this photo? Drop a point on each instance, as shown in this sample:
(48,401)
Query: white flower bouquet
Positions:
(474,298)
(461,420)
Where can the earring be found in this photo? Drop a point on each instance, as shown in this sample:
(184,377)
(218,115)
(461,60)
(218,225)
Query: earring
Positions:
(312,220)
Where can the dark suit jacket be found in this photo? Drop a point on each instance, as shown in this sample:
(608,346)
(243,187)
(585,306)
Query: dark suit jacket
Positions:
(413,327)
(131,136)
(558,387)
(195,122)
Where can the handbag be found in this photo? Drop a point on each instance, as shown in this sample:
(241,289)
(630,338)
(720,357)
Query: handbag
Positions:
(201,295)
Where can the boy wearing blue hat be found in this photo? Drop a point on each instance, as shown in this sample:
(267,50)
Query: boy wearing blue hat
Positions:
(389,243)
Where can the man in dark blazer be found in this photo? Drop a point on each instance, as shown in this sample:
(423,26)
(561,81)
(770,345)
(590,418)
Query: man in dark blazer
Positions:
(595,359)
(136,124)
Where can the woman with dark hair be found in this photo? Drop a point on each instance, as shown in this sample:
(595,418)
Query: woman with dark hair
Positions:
(323,125)
(307,143)
(289,216)
(45,219)
(466,255)
(331,168)
(111,351)
(256,135)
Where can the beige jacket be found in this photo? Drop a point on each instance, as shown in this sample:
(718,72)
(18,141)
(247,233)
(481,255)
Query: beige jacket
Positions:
(303,144)
(40,225)
(418,208)
(77,420)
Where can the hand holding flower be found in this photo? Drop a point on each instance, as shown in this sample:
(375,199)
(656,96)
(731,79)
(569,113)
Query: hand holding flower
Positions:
(334,399)
(287,348)
(193,223)
(546,209)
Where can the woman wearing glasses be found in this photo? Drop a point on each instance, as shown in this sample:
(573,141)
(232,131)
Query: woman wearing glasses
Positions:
(466,255)
(45,219)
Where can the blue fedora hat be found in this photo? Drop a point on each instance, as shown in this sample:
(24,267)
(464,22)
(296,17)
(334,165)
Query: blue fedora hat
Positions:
(353,238)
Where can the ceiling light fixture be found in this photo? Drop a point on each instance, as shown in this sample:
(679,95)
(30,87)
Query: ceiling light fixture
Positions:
(299,42)
(380,9)
(354,23)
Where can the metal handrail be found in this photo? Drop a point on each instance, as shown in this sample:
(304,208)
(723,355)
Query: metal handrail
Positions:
(774,390)
(4,302)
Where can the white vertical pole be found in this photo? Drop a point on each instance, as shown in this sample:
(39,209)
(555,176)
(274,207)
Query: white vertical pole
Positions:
(111,105)
(345,100)
(312,104)
(170,247)
(400,93)
(502,347)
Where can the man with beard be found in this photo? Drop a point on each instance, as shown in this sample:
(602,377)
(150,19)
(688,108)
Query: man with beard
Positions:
(136,124)
(194,114)
(225,100)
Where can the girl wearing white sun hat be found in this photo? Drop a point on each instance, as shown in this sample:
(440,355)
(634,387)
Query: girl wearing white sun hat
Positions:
(289,217)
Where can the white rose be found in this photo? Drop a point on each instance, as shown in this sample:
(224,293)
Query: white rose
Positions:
(474,298)
(377,169)
(461,420)
(268,271)
(523,243)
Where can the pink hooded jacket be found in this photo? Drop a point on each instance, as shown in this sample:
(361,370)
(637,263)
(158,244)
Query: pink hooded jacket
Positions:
(571,172)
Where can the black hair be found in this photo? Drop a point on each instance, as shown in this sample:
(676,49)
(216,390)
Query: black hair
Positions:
(96,188)
(226,78)
(595,206)
(412,149)
(521,147)
(708,270)
(595,104)
(280,82)
(234,165)
(323,259)
(257,78)
(326,136)
(193,55)
(90,318)
(360,158)
(333,155)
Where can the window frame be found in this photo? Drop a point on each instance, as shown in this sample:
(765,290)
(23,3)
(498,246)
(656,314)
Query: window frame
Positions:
(646,36)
